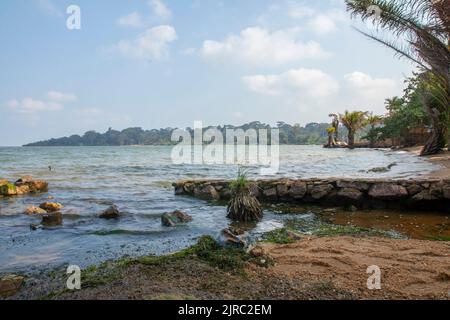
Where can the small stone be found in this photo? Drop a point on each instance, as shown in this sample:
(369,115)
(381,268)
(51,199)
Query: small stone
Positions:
(51,206)
(32,210)
(229,238)
(52,219)
(110,213)
(175,218)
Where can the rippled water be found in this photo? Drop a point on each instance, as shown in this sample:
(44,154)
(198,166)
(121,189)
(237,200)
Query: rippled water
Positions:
(86,180)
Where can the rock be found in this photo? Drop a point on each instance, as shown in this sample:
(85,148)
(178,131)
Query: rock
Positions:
(388,191)
(35,227)
(52,219)
(229,238)
(38,186)
(8,189)
(10,285)
(24,180)
(270,193)
(175,218)
(51,206)
(298,190)
(32,210)
(254,190)
(414,189)
(320,191)
(350,194)
(362,186)
(446,191)
(425,195)
(110,213)
(23,189)
(3,182)
(206,193)
(282,190)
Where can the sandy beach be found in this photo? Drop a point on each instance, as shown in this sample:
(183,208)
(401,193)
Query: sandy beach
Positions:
(442,159)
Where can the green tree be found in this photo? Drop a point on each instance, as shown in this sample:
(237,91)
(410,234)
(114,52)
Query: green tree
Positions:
(422,34)
(353,121)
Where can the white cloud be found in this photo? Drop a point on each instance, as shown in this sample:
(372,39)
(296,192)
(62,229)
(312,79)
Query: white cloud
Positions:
(258,46)
(152,44)
(309,83)
(30,105)
(370,93)
(160,9)
(133,20)
(61,96)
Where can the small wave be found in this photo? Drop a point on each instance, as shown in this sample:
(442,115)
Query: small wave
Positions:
(124,232)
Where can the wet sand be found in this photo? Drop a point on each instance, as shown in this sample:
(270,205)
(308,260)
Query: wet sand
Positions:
(442,159)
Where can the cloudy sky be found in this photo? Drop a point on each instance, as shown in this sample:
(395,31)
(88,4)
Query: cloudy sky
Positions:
(168,63)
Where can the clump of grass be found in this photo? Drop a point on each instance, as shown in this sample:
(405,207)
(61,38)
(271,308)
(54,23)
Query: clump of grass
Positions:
(243,206)
(439,238)
(279,236)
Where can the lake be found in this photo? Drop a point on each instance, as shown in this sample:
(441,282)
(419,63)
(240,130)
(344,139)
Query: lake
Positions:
(86,180)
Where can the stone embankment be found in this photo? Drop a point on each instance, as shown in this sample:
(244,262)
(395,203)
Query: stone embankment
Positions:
(420,194)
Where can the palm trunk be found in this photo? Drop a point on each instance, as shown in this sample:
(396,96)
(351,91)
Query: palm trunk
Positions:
(351,139)
(436,142)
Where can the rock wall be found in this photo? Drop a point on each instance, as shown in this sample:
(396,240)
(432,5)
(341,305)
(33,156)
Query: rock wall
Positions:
(423,194)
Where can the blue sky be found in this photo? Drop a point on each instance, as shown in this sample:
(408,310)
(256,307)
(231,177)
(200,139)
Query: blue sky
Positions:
(167,63)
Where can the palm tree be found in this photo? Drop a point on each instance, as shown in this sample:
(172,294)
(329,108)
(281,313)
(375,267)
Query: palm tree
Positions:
(353,121)
(372,121)
(421,29)
(243,206)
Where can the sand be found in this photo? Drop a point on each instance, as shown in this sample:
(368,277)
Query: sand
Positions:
(410,269)
(442,159)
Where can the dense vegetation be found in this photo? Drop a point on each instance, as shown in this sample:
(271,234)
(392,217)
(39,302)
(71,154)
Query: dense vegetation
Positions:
(312,133)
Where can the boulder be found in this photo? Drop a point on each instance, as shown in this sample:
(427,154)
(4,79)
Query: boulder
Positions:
(175,218)
(206,193)
(298,190)
(388,191)
(350,194)
(52,219)
(425,195)
(414,189)
(231,238)
(10,285)
(33,210)
(110,213)
(51,206)
(3,182)
(359,185)
(37,186)
(270,193)
(8,189)
(282,190)
(320,191)
(23,189)
(24,180)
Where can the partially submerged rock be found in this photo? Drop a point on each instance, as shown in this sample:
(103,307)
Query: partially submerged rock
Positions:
(52,219)
(110,213)
(8,189)
(175,218)
(22,186)
(51,206)
(33,210)
(10,285)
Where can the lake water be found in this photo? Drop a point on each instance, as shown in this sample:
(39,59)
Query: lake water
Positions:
(86,180)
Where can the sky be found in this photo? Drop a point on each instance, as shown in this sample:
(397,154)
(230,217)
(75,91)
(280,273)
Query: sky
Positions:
(168,63)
